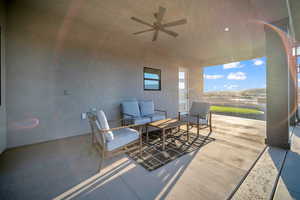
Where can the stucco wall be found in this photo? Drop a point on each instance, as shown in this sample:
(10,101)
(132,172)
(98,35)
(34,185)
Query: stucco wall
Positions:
(58,67)
(3,106)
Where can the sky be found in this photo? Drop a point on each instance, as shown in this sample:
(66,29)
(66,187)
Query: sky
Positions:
(247,74)
(298,62)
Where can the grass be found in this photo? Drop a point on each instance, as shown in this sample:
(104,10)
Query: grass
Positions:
(226,109)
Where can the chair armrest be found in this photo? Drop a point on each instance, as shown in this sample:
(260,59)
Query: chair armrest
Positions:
(126,117)
(117,120)
(129,115)
(163,111)
(121,127)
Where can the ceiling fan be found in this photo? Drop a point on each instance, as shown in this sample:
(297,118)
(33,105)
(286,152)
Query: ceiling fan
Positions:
(158,25)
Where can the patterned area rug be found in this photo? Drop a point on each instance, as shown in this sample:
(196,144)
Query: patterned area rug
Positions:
(176,146)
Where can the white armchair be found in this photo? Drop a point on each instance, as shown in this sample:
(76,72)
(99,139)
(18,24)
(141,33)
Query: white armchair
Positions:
(112,141)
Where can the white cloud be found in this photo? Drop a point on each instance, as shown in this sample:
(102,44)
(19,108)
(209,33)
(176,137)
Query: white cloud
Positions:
(237,76)
(230,87)
(216,76)
(232,65)
(258,62)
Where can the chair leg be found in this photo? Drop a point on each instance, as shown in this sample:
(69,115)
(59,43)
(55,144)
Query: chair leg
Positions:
(198,130)
(147,134)
(210,126)
(188,132)
(94,139)
(163,139)
(141,145)
(101,161)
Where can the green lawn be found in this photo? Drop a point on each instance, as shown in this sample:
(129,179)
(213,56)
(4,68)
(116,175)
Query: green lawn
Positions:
(226,109)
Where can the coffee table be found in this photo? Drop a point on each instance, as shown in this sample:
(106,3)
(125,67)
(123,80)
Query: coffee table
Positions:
(164,125)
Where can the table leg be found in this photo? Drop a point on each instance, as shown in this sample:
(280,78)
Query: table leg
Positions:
(188,132)
(164,139)
(141,141)
(147,135)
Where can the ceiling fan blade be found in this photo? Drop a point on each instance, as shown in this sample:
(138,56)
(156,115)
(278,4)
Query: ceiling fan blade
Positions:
(175,23)
(160,14)
(155,36)
(174,34)
(144,31)
(141,21)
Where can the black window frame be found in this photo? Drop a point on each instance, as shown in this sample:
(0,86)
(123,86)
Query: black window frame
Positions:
(158,72)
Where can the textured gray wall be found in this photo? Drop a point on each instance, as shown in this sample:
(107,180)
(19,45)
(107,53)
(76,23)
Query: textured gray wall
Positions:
(2,107)
(48,54)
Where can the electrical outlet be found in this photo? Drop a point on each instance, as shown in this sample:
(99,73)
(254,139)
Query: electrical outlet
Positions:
(67,93)
(83,116)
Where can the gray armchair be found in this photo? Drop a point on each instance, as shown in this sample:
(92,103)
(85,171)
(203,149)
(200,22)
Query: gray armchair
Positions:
(141,112)
(199,115)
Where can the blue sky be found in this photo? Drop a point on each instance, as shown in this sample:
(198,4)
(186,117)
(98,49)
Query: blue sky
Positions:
(298,62)
(241,75)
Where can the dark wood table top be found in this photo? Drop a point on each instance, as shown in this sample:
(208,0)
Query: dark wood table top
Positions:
(167,123)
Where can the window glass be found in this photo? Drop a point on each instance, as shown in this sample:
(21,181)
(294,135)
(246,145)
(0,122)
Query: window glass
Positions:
(152,79)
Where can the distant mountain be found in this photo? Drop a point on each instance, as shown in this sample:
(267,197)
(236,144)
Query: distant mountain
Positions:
(255,91)
(248,92)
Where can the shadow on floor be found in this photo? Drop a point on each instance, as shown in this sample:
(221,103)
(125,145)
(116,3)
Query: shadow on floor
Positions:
(289,183)
(67,168)
(126,175)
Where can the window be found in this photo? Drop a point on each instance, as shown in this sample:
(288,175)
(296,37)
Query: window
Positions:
(152,79)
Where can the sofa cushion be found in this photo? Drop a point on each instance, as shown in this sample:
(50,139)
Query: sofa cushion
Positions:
(131,108)
(146,107)
(141,120)
(104,125)
(193,120)
(122,137)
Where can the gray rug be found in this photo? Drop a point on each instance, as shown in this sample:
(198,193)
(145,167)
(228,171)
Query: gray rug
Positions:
(176,146)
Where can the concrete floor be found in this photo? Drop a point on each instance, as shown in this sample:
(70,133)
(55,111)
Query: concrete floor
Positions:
(289,181)
(67,169)
(275,175)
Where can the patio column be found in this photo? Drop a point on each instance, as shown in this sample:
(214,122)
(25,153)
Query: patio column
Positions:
(277,88)
(294,22)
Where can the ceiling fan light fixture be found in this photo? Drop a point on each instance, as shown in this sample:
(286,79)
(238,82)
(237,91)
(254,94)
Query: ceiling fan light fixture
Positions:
(157,26)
